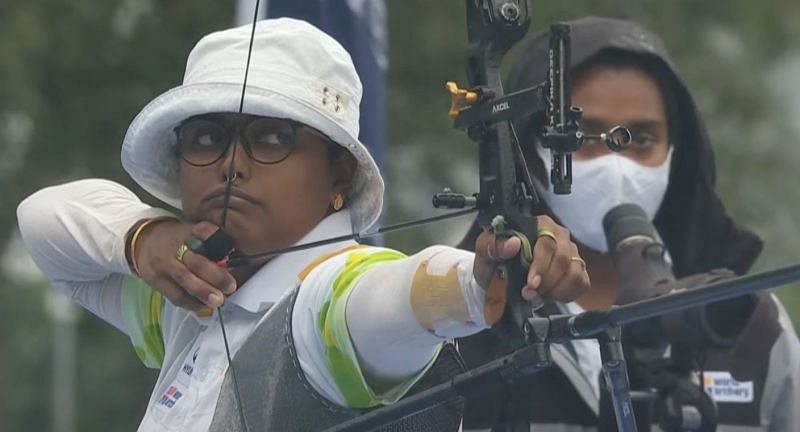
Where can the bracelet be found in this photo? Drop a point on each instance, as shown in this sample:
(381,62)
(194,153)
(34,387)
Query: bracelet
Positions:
(135,237)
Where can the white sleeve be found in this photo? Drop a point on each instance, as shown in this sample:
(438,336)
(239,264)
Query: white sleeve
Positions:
(75,234)
(394,335)
(370,319)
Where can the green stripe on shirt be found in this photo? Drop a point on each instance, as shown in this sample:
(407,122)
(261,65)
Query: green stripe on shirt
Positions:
(342,359)
(142,308)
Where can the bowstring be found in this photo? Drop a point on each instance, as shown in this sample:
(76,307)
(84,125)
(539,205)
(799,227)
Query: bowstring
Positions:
(226,204)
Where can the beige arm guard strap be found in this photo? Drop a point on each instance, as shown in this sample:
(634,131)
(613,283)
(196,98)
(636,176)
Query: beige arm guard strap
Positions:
(400,312)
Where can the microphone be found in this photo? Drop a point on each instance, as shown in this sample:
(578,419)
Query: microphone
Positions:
(641,262)
(644,271)
(639,258)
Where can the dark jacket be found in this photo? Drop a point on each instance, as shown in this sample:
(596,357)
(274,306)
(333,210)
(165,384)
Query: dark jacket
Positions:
(699,235)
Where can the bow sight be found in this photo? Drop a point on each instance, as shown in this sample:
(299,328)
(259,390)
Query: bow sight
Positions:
(506,197)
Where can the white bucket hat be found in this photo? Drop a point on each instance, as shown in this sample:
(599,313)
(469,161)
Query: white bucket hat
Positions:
(296,72)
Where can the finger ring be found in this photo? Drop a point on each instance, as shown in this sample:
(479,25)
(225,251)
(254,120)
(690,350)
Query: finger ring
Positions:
(579,260)
(182,252)
(546,232)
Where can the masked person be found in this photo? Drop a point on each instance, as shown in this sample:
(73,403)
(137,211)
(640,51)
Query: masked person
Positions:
(621,75)
(316,335)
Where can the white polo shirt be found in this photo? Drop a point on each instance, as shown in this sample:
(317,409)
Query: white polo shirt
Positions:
(75,234)
(195,361)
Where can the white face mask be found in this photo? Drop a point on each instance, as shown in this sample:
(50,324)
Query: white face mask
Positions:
(600,184)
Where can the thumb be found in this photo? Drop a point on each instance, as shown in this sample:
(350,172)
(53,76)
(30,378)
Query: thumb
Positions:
(489,252)
(495,249)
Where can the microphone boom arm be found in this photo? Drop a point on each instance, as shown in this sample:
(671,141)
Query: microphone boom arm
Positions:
(535,355)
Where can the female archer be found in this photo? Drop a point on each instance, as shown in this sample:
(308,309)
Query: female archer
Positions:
(315,335)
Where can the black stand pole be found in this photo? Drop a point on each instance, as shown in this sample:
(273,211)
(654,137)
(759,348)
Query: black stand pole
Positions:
(615,372)
(565,327)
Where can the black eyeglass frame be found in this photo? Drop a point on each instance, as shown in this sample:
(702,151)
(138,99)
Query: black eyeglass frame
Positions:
(295,125)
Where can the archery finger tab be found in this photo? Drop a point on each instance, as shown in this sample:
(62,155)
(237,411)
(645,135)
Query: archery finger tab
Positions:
(195,244)
(218,246)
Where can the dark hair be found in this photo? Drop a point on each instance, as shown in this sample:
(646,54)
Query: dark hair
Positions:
(335,151)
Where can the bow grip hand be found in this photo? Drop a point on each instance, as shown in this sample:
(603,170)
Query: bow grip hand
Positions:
(551,269)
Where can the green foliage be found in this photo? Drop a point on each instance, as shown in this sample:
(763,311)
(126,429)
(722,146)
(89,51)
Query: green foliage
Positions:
(111,384)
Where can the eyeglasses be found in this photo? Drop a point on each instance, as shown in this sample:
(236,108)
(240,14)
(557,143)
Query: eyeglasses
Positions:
(202,142)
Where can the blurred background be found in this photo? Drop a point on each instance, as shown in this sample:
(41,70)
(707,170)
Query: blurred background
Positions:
(74,73)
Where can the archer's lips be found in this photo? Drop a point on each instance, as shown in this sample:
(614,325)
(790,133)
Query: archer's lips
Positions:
(238,198)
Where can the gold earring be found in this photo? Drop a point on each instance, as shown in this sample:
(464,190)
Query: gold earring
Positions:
(338,202)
